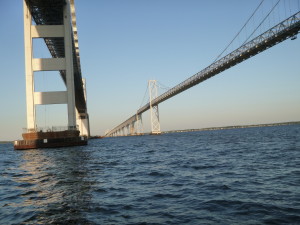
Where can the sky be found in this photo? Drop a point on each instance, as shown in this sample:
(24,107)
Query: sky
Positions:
(125,43)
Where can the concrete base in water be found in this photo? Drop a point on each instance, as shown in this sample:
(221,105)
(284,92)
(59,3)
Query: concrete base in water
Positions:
(155,133)
(50,139)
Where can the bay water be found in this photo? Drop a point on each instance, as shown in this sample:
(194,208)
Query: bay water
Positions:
(233,176)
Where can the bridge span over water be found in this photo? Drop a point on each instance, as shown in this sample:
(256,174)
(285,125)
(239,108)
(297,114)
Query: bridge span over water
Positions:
(54,21)
(286,29)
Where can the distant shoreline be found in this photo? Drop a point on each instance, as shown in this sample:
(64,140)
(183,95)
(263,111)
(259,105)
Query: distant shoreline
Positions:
(210,128)
(5,142)
(233,127)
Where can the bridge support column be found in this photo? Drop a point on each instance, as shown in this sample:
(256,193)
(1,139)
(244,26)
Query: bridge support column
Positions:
(29,76)
(155,125)
(139,124)
(128,130)
(69,66)
(132,128)
(61,62)
(83,118)
(48,64)
(83,123)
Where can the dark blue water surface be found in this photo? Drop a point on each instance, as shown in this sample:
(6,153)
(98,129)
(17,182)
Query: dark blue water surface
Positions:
(238,176)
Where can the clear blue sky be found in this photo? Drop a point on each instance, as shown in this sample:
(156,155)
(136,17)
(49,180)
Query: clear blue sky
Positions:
(124,43)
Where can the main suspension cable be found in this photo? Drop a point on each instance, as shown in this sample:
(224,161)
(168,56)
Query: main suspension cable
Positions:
(144,97)
(261,22)
(239,31)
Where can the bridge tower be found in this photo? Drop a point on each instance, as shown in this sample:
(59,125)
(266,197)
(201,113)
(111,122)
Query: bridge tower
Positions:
(154,114)
(48,64)
(33,137)
(82,118)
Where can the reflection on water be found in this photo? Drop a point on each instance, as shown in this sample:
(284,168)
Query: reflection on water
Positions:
(53,185)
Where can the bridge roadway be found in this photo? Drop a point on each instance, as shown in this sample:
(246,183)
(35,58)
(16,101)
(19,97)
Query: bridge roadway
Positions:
(282,31)
(50,12)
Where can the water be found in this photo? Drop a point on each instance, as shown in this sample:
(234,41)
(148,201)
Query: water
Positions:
(238,176)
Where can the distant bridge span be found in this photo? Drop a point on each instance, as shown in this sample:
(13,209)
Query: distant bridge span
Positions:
(281,32)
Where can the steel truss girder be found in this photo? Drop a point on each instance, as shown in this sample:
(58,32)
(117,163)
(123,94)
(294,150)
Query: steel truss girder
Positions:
(273,36)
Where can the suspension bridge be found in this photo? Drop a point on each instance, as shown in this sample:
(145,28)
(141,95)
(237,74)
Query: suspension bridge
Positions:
(286,29)
(54,21)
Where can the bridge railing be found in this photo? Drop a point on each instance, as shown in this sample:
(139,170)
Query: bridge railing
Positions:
(50,129)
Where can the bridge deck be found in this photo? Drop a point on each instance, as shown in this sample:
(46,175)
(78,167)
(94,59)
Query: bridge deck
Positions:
(282,31)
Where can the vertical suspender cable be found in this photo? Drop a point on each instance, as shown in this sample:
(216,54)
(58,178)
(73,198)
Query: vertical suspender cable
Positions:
(239,31)
(261,22)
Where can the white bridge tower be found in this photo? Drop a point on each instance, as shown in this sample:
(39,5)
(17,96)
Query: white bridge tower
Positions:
(154,114)
(33,98)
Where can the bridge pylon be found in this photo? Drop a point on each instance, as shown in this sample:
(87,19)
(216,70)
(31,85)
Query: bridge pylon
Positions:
(139,124)
(48,64)
(286,29)
(154,113)
(82,119)
(34,137)
(136,127)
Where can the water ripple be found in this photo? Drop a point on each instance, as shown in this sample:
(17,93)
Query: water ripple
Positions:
(239,176)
